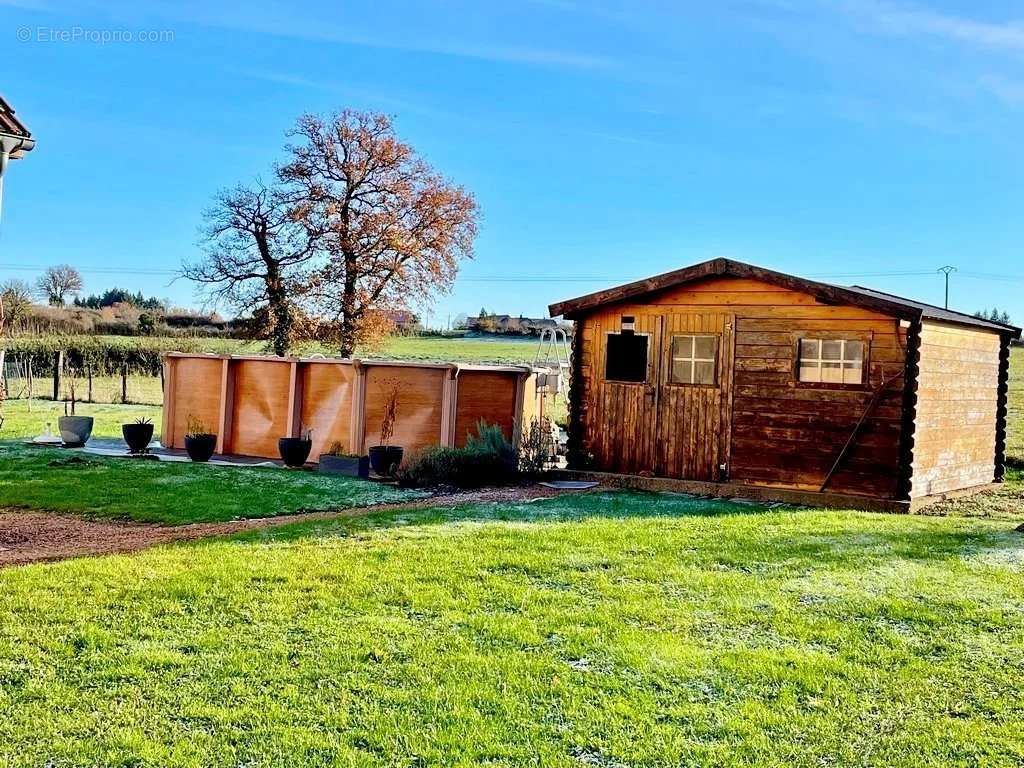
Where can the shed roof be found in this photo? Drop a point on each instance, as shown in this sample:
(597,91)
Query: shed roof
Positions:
(857,296)
(10,124)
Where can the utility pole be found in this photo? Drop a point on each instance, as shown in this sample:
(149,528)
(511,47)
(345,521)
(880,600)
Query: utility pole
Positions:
(946,270)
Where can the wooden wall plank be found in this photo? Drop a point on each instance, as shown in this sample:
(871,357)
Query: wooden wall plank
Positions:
(955,441)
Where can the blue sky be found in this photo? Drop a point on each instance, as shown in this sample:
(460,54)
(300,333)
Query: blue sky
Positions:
(864,141)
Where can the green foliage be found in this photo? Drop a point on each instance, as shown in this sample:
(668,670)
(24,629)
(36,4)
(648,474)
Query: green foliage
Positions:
(172,493)
(100,354)
(995,315)
(113,296)
(457,467)
(488,438)
(487,459)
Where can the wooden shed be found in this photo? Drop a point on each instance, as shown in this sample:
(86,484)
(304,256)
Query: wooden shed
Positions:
(251,401)
(724,372)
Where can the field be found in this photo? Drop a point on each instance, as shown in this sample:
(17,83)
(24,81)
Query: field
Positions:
(143,391)
(619,629)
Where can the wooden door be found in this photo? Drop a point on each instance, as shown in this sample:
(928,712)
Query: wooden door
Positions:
(625,413)
(693,401)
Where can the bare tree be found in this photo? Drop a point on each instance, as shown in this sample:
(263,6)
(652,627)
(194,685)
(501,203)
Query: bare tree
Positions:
(17,300)
(394,231)
(257,248)
(57,283)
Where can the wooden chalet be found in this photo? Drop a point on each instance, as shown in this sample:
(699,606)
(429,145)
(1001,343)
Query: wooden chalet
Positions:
(724,372)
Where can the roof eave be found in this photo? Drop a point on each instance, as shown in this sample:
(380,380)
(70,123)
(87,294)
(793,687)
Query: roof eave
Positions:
(829,294)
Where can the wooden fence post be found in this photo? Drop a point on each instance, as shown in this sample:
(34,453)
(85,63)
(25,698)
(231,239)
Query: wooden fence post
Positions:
(124,383)
(58,365)
(88,373)
(29,383)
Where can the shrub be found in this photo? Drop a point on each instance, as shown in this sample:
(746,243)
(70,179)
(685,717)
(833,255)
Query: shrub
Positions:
(458,467)
(535,448)
(487,459)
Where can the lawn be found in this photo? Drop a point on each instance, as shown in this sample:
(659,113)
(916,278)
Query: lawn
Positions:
(22,422)
(173,493)
(612,630)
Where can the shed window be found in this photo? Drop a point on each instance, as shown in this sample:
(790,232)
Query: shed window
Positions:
(832,361)
(693,360)
(626,357)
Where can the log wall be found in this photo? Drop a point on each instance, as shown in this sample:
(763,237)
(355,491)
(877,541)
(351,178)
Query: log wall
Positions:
(250,402)
(957,408)
(774,431)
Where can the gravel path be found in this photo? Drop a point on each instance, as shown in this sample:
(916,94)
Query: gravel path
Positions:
(28,536)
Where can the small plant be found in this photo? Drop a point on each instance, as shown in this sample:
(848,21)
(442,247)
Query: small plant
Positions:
(306,433)
(143,422)
(535,448)
(337,449)
(387,424)
(195,427)
(72,391)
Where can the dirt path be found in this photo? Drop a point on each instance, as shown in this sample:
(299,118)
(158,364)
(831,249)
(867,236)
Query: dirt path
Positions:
(32,536)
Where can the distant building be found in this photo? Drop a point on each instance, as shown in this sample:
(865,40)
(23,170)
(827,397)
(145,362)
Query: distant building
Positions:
(527,326)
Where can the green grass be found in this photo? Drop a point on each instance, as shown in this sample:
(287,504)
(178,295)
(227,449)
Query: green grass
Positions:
(20,422)
(173,493)
(620,629)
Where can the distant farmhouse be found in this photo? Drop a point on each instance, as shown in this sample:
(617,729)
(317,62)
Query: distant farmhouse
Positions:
(525,326)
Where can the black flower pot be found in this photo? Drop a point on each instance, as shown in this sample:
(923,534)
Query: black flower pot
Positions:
(138,436)
(385,459)
(75,431)
(200,447)
(294,450)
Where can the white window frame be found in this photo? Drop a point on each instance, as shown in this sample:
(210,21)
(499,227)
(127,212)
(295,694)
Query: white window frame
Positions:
(692,358)
(816,363)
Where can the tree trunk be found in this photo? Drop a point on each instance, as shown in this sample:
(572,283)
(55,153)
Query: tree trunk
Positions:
(349,326)
(281,336)
(348,337)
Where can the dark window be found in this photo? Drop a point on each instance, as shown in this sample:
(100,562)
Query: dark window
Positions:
(626,359)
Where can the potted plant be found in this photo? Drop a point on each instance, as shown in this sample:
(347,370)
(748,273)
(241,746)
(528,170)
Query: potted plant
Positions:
(386,458)
(138,435)
(295,450)
(337,462)
(75,431)
(200,443)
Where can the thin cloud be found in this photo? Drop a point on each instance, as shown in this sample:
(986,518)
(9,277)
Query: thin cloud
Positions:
(905,20)
(1008,91)
(293,26)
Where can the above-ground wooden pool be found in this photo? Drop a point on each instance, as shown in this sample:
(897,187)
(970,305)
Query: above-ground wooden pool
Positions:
(251,401)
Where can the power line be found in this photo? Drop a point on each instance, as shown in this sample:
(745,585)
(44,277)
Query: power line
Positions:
(992,276)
